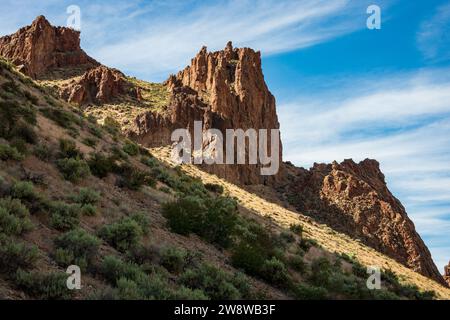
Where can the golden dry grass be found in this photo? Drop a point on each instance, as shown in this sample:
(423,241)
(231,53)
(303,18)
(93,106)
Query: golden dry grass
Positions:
(329,239)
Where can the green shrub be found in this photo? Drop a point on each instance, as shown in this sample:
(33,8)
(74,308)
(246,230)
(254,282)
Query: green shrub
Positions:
(173,259)
(13,113)
(131,178)
(77,244)
(131,148)
(113,269)
(101,165)
(43,152)
(122,235)
(30,97)
(86,196)
(297,263)
(68,149)
(90,142)
(215,283)
(128,290)
(321,271)
(64,216)
(274,271)
(73,169)
(184,293)
(61,117)
(118,154)
(142,220)
(25,132)
(213,219)
(111,125)
(255,247)
(285,238)
(96,131)
(88,210)
(307,292)
(8,152)
(16,255)
(49,286)
(150,162)
(297,229)
(216,188)
(25,190)
(14,217)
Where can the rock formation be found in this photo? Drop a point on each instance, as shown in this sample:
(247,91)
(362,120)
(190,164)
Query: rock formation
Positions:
(225,90)
(40,48)
(354,199)
(99,85)
(447,273)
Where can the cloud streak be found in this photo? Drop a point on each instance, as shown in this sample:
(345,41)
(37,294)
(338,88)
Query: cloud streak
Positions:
(433,38)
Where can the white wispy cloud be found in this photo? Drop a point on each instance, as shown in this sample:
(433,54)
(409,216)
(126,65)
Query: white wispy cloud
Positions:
(433,38)
(401,120)
(167,43)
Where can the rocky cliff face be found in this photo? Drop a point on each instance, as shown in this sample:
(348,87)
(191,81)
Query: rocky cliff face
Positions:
(39,48)
(447,274)
(99,85)
(225,90)
(353,198)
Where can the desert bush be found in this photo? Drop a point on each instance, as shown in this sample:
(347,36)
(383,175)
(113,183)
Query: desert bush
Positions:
(184,293)
(285,238)
(213,219)
(90,142)
(297,263)
(14,217)
(30,97)
(15,255)
(274,271)
(25,132)
(12,113)
(254,248)
(111,126)
(216,188)
(118,154)
(297,229)
(142,220)
(321,271)
(215,283)
(25,190)
(8,152)
(64,216)
(43,286)
(73,169)
(130,177)
(150,162)
(173,259)
(308,292)
(77,244)
(86,196)
(68,149)
(43,152)
(100,165)
(61,117)
(113,269)
(123,234)
(96,131)
(131,148)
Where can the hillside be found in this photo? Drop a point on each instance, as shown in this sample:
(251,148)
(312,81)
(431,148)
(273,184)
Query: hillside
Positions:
(79,185)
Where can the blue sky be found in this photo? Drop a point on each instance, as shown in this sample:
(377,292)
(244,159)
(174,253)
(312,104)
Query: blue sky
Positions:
(343,91)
